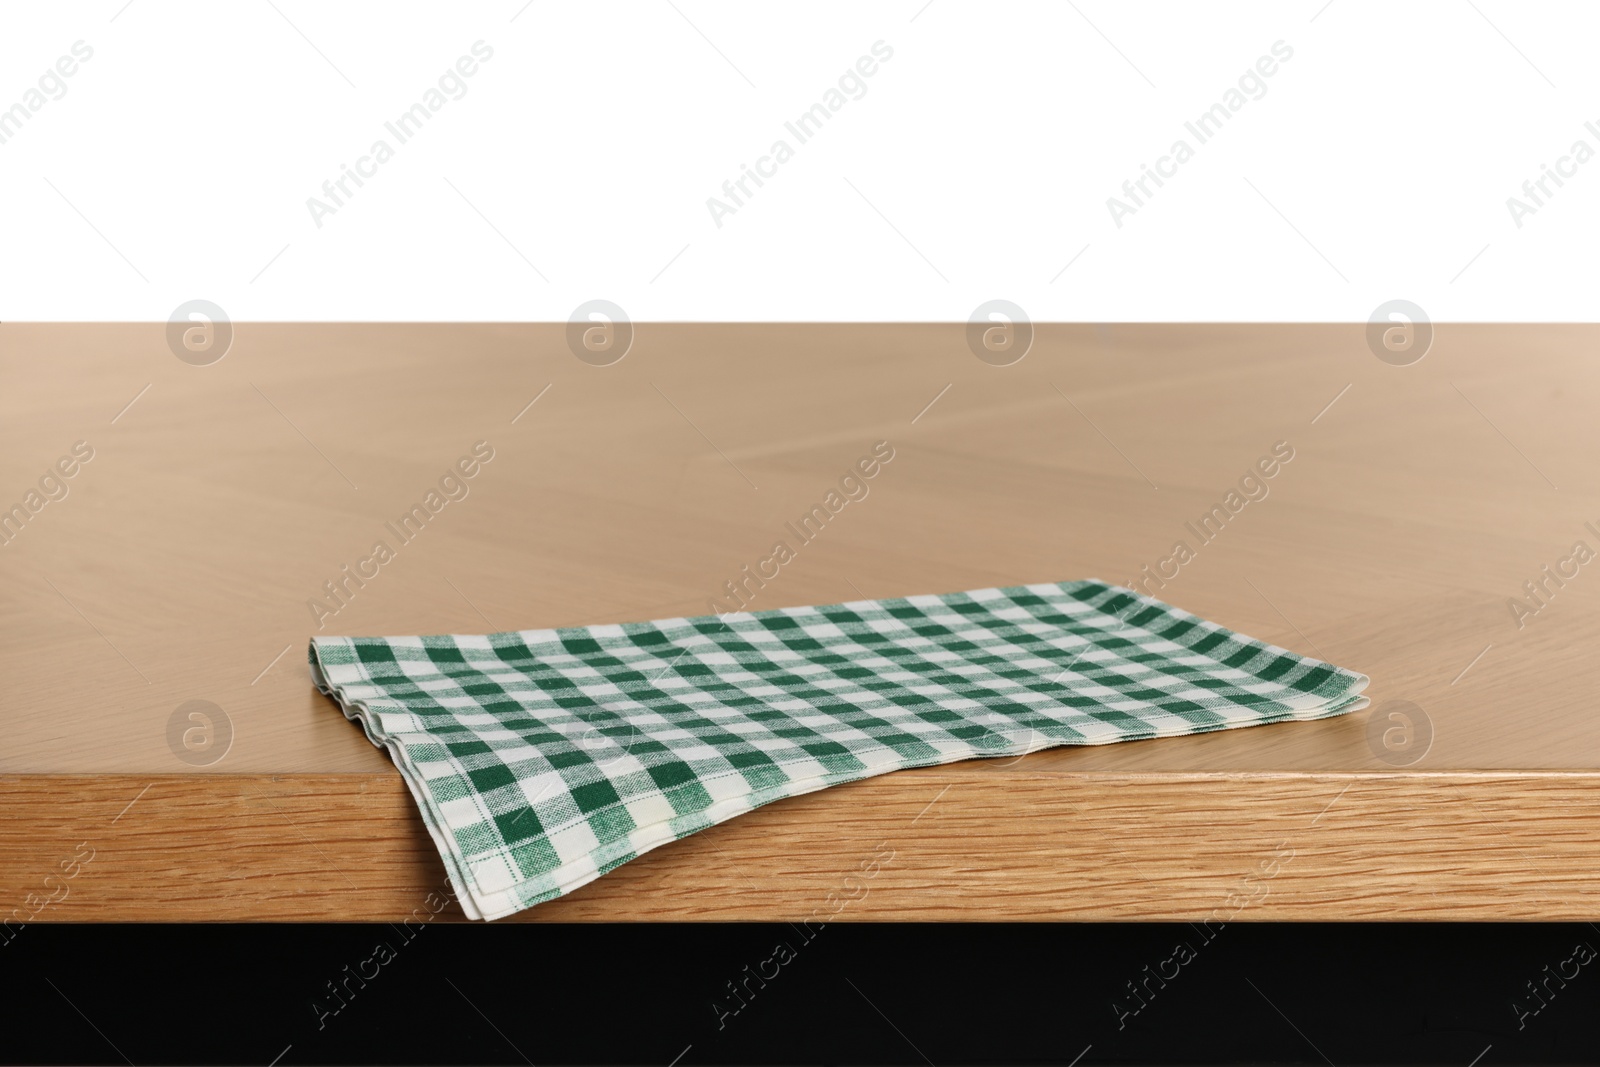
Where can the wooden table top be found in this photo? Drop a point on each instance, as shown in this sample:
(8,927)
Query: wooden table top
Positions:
(207,506)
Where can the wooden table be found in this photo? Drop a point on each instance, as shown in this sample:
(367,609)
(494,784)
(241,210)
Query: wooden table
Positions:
(220,498)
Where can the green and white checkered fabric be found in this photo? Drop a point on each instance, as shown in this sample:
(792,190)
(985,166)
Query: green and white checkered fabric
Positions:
(542,759)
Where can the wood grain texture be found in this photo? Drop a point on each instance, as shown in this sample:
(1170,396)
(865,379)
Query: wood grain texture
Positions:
(1420,501)
(954,843)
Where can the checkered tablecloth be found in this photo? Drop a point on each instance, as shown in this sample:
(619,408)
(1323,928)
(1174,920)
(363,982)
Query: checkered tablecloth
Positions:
(542,759)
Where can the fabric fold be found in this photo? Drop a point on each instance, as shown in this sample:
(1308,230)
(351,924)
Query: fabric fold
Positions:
(541,759)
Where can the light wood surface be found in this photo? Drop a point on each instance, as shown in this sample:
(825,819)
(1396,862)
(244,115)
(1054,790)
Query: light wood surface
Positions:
(963,842)
(179,564)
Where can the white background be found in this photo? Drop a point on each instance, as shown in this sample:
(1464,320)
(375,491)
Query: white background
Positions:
(178,164)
